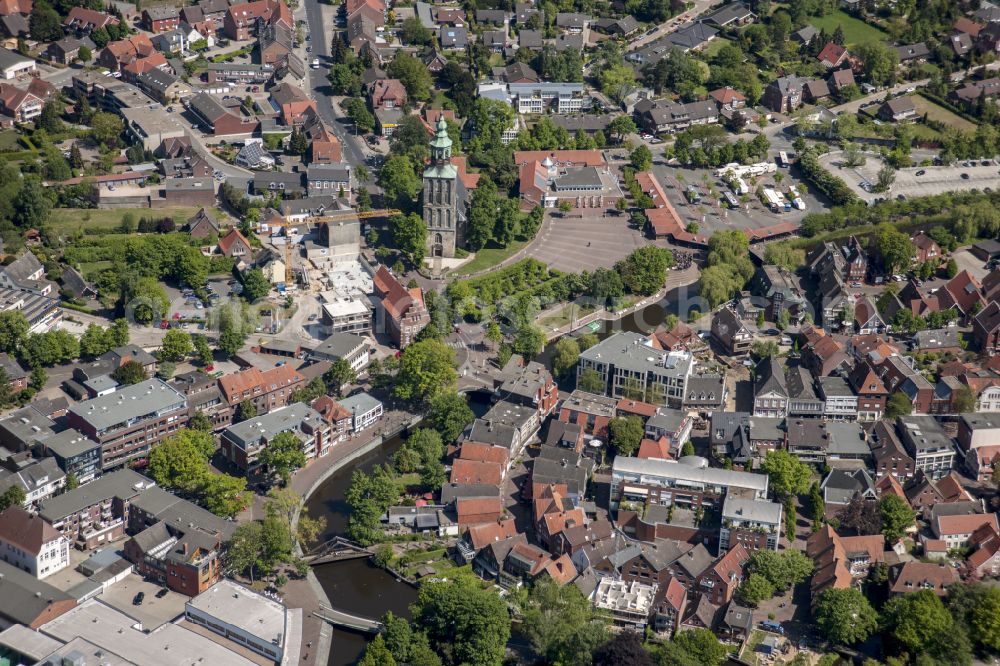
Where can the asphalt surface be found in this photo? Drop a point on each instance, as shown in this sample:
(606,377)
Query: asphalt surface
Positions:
(319,86)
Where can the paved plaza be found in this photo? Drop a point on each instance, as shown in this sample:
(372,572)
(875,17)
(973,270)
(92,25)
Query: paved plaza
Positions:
(595,240)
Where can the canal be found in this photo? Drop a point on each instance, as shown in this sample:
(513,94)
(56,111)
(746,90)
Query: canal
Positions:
(358,586)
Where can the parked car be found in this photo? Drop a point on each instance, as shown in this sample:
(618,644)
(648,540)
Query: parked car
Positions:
(137,599)
(162,593)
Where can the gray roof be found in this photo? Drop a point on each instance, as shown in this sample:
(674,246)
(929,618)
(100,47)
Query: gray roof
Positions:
(738,617)
(124,483)
(924,432)
(939,338)
(69,444)
(834,387)
(335,172)
(725,425)
(631,351)
(453,37)
(770,377)
(32,644)
(27,424)
(666,419)
(339,345)
(704,391)
(981,420)
(586,122)
(266,426)
(162,12)
(360,403)
(692,35)
(695,560)
(129,402)
(25,598)
(624,465)
(734,11)
(181,514)
(763,428)
(10,58)
(208,107)
(842,485)
(452,491)
(761,511)
(529,39)
(846,438)
(21,268)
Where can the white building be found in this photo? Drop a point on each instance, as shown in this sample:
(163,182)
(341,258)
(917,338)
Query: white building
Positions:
(748,522)
(252,620)
(365,409)
(14,64)
(29,542)
(628,603)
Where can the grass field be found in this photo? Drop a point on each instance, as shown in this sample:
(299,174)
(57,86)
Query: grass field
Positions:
(715,46)
(8,140)
(855,31)
(941,114)
(489,257)
(566,315)
(71,219)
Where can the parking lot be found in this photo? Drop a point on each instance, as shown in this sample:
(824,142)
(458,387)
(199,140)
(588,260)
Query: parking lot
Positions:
(187,306)
(982,175)
(969,262)
(711,215)
(152,612)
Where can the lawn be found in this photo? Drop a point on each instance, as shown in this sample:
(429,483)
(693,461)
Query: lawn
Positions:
(941,114)
(489,257)
(8,140)
(715,46)
(855,31)
(72,219)
(566,316)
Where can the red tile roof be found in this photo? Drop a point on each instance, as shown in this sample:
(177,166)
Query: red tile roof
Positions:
(964,524)
(649,448)
(484,453)
(473,471)
(25,530)
(484,534)
(227,242)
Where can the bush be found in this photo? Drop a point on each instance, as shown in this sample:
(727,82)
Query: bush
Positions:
(824,181)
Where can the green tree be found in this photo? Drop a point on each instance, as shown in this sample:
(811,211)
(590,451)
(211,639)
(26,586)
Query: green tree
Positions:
(282,455)
(482,214)
(202,350)
(413,32)
(984,619)
(409,233)
(413,74)
(844,616)
(369,496)
(359,114)
(176,345)
(915,620)
(38,379)
(50,119)
(880,62)
(245,411)
(119,332)
(13,496)
(645,270)
(13,330)
(951,268)
(180,462)
(106,128)
(755,589)
(589,380)
(128,373)
(897,517)
(787,474)
(450,414)
(965,400)
(562,625)
(465,623)
(84,54)
(255,285)
(377,654)
(703,646)
(893,246)
(566,354)
(426,368)
(626,434)
(339,375)
(898,405)
(31,204)
(782,570)
(617,81)
(225,495)
(641,158)
(621,127)
(399,181)
(298,143)
(529,341)
(44,23)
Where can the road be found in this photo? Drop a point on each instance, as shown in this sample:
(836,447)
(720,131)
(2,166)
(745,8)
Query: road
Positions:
(853,107)
(698,7)
(354,148)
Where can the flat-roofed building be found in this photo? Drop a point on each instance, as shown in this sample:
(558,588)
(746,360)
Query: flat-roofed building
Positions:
(130,421)
(631,368)
(238,613)
(752,522)
(687,482)
(347,315)
(242,443)
(629,604)
(95,513)
(931,447)
(365,410)
(75,454)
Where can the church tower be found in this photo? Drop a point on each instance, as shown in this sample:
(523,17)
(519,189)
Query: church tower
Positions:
(444,198)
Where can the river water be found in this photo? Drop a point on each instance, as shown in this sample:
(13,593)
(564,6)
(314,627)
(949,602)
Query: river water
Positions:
(359,587)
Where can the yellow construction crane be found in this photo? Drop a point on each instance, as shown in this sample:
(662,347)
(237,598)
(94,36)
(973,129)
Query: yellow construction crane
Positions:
(289,273)
(339,215)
